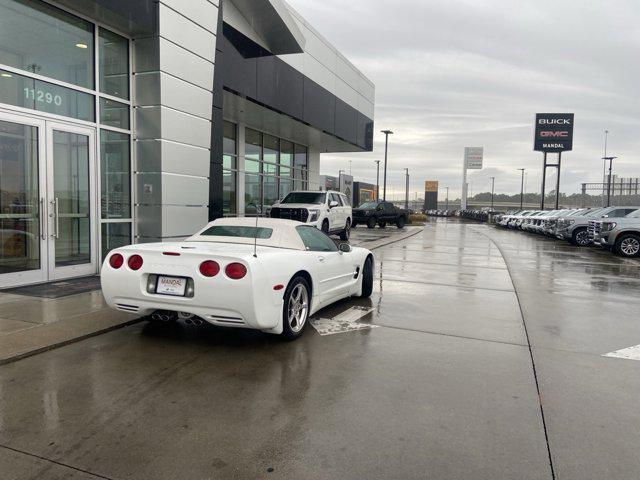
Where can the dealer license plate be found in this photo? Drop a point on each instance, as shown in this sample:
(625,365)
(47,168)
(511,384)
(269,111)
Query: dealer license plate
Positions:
(171,286)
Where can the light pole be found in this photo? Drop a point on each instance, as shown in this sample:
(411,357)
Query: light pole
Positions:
(386,150)
(611,159)
(377,180)
(493,184)
(446,207)
(604,164)
(406,195)
(522,187)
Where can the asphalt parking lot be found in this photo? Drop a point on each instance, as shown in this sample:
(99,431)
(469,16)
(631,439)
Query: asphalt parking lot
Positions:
(479,356)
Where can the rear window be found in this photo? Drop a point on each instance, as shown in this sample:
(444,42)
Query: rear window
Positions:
(237,231)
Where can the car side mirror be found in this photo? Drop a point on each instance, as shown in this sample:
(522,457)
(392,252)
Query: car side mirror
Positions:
(333,203)
(345,248)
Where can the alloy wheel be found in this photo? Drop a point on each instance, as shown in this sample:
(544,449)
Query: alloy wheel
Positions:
(582,238)
(298,308)
(630,246)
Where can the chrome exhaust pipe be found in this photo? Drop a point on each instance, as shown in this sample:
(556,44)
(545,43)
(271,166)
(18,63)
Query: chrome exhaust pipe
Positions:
(197,321)
(188,321)
(156,316)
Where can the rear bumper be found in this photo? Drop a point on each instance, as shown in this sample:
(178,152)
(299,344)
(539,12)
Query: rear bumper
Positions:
(241,304)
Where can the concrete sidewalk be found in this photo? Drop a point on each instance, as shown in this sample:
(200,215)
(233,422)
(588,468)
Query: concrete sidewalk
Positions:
(30,325)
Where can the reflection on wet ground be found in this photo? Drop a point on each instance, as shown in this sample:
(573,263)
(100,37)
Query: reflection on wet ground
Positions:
(443,388)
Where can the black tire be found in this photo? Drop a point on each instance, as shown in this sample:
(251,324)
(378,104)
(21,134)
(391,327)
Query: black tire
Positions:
(382,224)
(400,222)
(290,332)
(628,245)
(371,223)
(580,237)
(346,233)
(325,226)
(367,278)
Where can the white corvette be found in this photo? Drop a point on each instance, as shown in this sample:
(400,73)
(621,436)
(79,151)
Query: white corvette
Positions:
(269,277)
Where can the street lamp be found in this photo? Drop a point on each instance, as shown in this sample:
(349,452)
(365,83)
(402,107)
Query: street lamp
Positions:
(493,184)
(611,159)
(522,187)
(386,150)
(447,200)
(604,163)
(406,195)
(377,180)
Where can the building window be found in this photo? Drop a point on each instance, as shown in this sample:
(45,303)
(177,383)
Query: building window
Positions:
(115,174)
(115,235)
(273,168)
(26,92)
(229,168)
(113,53)
(39,38)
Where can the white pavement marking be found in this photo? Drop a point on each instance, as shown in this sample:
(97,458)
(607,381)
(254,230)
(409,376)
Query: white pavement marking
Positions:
(346,321)
(631,353)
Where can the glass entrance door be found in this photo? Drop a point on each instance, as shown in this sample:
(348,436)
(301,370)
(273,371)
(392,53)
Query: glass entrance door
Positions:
(22,203)
(71,202)
(48,207)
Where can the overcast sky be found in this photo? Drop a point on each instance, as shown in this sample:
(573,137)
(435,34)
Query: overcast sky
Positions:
(458,73)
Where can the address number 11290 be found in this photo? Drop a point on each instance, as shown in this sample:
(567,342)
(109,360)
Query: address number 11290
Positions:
(42,96)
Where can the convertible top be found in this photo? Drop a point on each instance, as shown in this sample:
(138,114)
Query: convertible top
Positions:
(282,232)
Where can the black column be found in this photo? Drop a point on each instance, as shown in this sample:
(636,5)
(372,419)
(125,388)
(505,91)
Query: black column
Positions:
(215,166)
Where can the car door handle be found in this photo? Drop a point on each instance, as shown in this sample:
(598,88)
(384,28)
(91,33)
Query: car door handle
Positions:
(321,259)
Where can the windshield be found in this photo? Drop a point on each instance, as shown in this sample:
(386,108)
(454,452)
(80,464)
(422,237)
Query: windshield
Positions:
(368,205)
(305,197)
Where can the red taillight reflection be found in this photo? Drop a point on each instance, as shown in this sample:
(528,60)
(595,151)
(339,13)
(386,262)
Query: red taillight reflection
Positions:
(116,260)
(209,268)
(135,262)
(235,271)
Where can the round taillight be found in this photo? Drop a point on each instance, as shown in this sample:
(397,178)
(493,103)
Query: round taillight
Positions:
(135,262)
(209,268)
(235,271)
(116,260)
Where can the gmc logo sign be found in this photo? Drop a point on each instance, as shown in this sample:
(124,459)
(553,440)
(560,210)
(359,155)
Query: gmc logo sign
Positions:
(554,134)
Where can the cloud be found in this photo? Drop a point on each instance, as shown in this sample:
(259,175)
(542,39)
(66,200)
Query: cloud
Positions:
(465,73)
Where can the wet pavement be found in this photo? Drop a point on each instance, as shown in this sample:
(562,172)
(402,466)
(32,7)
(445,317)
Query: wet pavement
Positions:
(443,386)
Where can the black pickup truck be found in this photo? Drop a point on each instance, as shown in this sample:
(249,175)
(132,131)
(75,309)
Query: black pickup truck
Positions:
(381,214)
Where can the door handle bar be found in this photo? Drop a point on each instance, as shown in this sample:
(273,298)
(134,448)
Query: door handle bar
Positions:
(43,234)
(55,217)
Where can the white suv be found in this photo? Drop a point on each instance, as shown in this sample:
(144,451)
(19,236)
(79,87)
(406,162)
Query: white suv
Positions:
(327,211)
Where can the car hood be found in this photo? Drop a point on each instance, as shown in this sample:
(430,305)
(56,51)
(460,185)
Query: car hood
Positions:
(297,205)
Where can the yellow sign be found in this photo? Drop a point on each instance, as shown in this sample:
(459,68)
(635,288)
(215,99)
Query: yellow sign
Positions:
(431,186)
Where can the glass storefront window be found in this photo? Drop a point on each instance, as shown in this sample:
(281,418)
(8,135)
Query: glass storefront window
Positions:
(42,39)
(26,92)
(251,166)
(115,174)
(270,190)
(229,192)
(253,144)
(271,149)
(113,54)
(300,156)
(229,138)
(114,114)
(286,186)
(252,196)
(286,153)
(115,235)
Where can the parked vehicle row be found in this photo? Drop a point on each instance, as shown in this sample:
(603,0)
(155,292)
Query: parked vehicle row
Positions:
(441,213)
(614,228)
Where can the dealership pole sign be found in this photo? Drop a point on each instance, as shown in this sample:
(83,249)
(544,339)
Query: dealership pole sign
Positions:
(553,134)
(473,158)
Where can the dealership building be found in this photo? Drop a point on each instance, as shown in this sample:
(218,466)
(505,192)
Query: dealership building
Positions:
(136,121)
